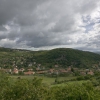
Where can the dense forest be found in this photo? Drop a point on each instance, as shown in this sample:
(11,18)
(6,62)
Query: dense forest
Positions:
(63,57)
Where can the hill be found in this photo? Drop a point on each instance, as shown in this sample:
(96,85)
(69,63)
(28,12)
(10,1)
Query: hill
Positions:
(62,57)
(97,52)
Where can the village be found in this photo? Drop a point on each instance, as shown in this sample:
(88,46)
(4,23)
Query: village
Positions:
(56,70)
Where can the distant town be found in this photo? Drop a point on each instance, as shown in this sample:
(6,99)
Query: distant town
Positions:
(55,70)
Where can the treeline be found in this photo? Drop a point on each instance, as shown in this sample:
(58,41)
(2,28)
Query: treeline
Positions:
(24,89)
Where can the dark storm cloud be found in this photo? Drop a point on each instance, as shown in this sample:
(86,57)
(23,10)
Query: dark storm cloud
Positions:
(20,9)
(2,28)
(37,23)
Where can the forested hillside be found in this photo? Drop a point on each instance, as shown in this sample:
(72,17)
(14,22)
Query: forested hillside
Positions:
(62,57)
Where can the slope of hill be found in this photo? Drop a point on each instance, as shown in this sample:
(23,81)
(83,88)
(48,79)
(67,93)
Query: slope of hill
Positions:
(63,57)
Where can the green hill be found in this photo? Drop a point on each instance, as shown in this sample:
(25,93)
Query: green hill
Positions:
(63,57)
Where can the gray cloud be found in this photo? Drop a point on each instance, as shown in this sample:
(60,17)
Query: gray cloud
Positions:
(2,28)
(41,23)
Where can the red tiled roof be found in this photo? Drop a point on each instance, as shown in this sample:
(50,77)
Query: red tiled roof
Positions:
(29,73)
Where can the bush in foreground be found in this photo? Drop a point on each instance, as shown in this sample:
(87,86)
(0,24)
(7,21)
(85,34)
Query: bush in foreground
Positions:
(24,89)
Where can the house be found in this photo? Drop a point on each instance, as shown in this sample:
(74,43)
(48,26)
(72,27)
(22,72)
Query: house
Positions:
(21,62)
(21,69)
(6,70)
(63,71)
(56,66)
(34,63)
(38,68)
(15,71)
(30,69)
(56,72)
(96,65)
(39,65)
(41,72)
(87,70)
(83,73)
(50,71)
(30,65)
(69,69)
(90,72)
(29,73)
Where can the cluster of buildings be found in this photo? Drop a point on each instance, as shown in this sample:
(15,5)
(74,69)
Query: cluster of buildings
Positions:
(55,70)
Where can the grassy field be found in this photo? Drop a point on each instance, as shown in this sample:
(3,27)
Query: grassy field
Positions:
(51,80)
(44,78)
(70,82)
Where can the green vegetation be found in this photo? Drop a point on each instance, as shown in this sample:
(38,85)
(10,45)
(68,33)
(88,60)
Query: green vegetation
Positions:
(47,80)
(35,89)
(48,59)
(76,75)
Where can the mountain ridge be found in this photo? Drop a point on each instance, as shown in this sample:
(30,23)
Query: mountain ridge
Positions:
(63,57)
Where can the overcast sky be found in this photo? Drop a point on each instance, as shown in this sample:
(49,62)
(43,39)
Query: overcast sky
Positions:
(47,24)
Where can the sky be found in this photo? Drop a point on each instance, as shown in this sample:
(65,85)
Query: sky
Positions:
(49,24)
